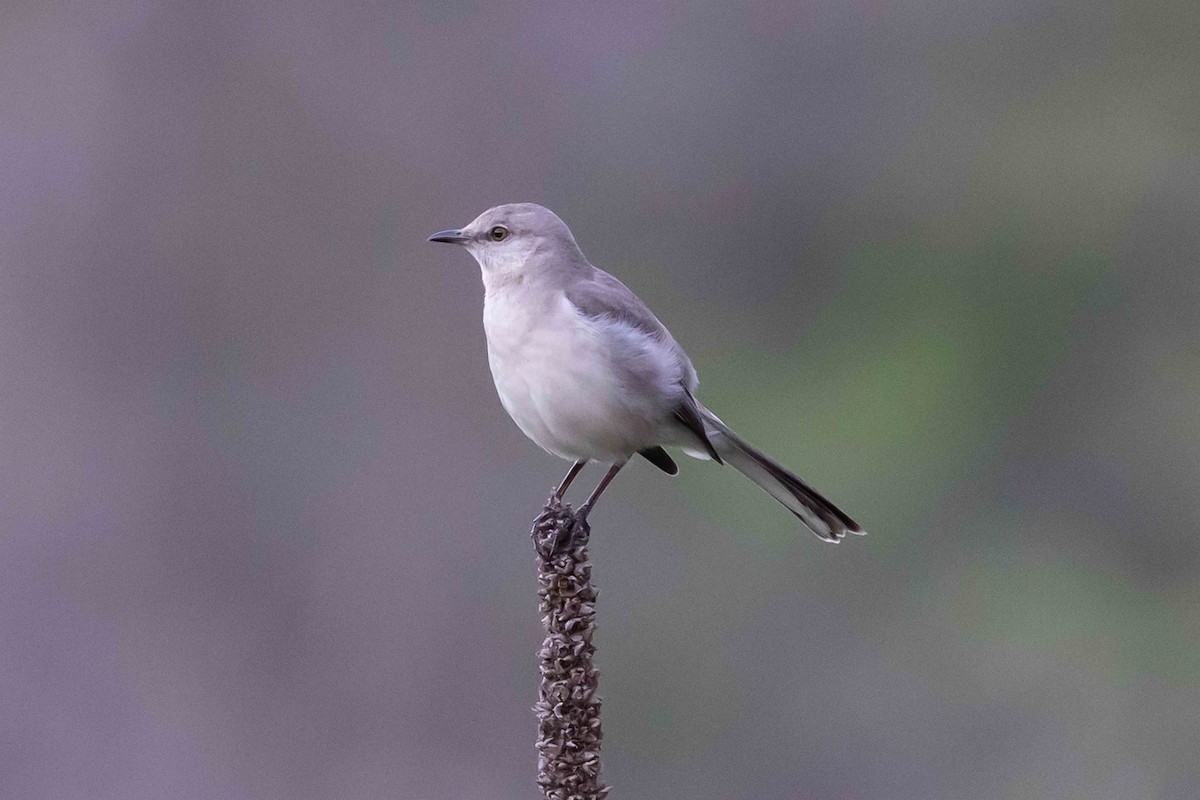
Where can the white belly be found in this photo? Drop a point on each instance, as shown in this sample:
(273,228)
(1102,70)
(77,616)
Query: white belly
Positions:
(556,378)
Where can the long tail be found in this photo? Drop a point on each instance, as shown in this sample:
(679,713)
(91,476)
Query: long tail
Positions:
(825,519)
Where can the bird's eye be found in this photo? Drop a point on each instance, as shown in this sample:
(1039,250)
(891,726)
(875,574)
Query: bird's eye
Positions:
(498,233)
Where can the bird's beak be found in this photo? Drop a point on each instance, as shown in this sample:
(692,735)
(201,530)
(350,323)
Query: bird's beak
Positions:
(449,237)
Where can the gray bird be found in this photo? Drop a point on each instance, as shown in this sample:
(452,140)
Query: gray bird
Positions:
(590,374)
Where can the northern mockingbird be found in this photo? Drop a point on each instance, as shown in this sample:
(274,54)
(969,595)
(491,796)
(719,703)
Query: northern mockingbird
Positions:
(590,374)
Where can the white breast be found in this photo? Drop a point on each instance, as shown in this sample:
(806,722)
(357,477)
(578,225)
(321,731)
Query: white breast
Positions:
(560,377)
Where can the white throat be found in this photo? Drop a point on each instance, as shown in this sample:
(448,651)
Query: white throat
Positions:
(502,265)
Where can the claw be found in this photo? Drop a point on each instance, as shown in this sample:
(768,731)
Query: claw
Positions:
(558,529)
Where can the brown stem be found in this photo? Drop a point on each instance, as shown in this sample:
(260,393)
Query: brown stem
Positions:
(568,708)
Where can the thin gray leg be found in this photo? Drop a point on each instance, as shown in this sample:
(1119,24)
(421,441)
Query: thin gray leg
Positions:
(562,487)
(586,508)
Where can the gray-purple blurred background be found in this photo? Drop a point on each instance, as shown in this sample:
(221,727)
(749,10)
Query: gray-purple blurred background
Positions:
(263,523)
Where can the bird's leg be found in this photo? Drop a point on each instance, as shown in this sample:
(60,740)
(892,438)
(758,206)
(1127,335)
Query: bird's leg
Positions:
(557,515)
(564,536)
(586,508)
(562,487)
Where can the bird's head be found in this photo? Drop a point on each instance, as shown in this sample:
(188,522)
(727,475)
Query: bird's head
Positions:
(516,239)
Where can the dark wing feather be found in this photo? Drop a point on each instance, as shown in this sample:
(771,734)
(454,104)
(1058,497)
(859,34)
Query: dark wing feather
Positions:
(687,413)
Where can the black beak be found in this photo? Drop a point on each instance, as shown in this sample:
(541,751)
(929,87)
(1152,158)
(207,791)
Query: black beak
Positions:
(449,237)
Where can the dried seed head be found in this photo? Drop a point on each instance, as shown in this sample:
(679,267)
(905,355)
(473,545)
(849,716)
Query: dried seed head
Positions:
(568,708)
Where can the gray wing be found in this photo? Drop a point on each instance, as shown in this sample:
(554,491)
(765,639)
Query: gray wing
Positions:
(600,295)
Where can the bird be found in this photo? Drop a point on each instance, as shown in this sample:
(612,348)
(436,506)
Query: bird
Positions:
(589,373)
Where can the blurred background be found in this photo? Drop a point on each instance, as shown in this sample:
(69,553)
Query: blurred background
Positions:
(263,522)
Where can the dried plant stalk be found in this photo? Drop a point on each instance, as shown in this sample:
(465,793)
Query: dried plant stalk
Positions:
(568,708)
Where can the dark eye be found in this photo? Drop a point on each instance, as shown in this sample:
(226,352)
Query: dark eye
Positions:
(498,233)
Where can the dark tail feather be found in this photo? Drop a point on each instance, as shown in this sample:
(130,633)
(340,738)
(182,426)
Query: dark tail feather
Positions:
(825,519)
